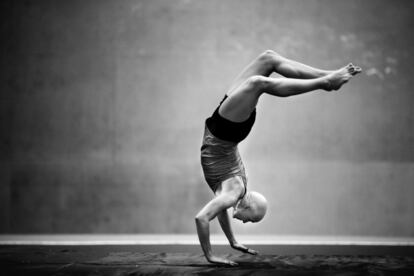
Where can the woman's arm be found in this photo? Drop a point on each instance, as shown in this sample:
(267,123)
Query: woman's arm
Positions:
(203,218)
(223,218)
(225,224)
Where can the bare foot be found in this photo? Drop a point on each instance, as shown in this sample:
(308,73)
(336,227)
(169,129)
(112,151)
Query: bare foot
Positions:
(341,76)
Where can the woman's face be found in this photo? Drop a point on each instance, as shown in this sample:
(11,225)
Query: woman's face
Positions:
(243,212)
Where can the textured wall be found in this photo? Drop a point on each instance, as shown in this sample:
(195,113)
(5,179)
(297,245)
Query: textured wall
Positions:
(103,103)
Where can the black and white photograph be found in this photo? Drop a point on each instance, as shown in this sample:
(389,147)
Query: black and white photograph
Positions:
(207,137)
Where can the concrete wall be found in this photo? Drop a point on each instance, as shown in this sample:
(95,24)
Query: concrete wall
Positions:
(103,103)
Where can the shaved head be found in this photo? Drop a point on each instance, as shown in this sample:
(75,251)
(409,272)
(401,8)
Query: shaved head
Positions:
(251,208)
(258,203)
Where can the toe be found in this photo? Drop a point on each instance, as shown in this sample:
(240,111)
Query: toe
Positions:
(356,70)
(352,71)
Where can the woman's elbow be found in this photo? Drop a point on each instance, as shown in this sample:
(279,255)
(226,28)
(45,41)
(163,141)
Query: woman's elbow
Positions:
(201,218)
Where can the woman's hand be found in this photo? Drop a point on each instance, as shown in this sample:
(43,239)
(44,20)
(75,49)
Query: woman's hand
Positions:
(223,261)
(244,249)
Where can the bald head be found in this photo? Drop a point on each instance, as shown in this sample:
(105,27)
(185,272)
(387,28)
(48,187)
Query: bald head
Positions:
(258,204)
(252,207)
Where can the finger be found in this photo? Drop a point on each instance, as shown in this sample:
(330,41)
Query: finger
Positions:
(253,252)
(232,263)
(245,249)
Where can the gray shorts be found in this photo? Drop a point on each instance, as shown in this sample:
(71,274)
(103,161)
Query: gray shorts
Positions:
(220,160)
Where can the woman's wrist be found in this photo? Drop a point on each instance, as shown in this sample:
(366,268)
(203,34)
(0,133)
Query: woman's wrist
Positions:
(208,256)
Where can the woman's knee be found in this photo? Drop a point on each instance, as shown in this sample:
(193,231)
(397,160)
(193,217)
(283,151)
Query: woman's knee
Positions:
(270,58)
(257,83)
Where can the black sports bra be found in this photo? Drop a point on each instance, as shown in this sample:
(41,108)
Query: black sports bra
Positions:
(228,130)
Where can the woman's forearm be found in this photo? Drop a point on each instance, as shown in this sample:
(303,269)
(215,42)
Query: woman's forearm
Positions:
(203,231)
(224,220)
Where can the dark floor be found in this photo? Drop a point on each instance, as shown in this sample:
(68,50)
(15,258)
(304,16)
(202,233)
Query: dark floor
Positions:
(116,260)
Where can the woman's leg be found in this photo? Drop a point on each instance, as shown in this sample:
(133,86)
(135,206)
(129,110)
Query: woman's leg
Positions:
(270,61)
(243,99)
(294,69)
